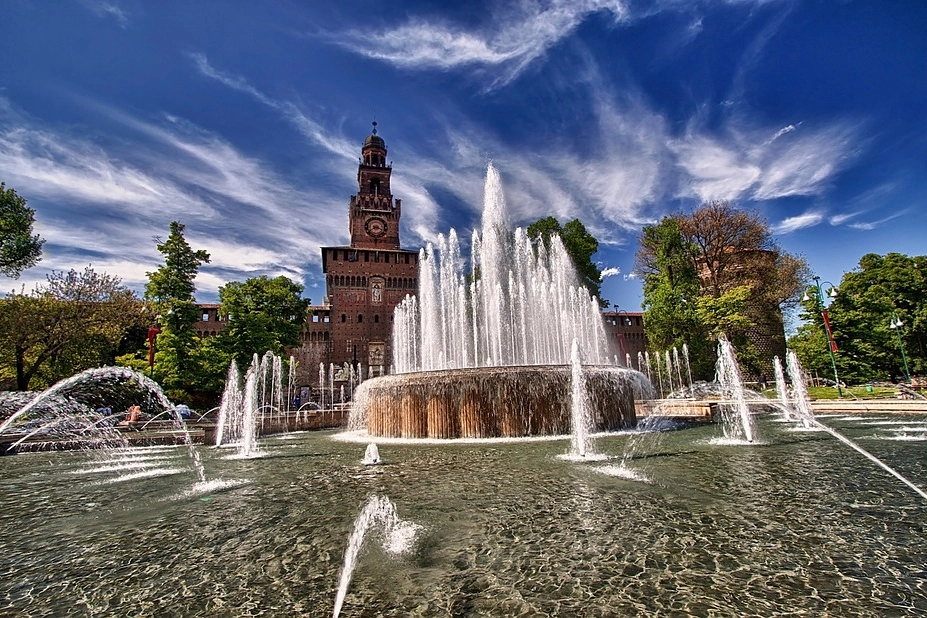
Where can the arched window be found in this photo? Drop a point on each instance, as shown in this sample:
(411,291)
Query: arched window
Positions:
(376,318)
(344,318)
(360,318)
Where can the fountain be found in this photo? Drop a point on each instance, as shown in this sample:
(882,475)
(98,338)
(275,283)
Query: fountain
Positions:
(77,411)
(252,405)
(502,527)
(489,356)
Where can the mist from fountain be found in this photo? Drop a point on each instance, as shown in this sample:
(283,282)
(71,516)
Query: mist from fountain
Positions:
(398,538)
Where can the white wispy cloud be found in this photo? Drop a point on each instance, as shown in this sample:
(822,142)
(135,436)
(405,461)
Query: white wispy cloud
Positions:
(841,218)
(871,225)
(780,133)
(510,38)
(798,222)
(609,272)
(306,125)
(736,164)
(108,8)
(234,206)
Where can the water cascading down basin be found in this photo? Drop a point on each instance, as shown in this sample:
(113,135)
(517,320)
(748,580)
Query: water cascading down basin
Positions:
(490,402)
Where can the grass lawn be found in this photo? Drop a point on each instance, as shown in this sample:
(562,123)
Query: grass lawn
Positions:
(853,392)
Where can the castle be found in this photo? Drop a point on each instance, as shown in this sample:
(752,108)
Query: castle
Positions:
(367,278)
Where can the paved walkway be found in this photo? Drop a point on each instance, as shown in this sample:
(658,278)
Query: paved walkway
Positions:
(891,406)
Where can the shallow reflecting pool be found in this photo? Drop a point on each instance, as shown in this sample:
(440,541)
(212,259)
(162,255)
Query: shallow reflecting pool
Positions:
(796,524)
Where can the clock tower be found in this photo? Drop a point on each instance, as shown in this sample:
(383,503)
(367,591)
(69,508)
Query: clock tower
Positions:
(374,215)
(366,279)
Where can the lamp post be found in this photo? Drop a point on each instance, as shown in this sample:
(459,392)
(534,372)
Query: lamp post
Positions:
(831,344)
(895,324)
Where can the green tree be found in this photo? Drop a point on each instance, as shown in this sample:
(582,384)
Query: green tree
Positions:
(733,267)
(19,247)
(671,292)
(868,298)
(73,322)
(263,315)
(579,244)
(170,292)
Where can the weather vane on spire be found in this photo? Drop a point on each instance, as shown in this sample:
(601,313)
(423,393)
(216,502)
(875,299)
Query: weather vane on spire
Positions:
(374,127)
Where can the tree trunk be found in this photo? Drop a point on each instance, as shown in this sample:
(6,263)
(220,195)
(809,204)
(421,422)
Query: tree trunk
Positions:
(22,380)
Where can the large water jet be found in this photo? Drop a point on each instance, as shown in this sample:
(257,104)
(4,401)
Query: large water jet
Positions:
(484,349)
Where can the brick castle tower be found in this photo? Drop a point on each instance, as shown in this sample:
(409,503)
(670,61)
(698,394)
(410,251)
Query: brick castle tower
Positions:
(368,278)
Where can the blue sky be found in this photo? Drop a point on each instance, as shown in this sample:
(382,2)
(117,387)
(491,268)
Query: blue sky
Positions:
(244,121)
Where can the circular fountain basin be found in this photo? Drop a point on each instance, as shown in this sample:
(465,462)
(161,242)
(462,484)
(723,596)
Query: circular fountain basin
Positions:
(487,402)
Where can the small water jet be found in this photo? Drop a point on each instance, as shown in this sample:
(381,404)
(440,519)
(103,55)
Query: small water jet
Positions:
(800,402)
(782,392)
(371,455)
(397,538)
(580,443)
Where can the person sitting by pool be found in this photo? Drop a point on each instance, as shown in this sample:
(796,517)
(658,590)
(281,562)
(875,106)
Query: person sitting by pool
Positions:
(133,413)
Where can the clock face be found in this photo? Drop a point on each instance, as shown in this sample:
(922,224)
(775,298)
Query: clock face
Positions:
(375,226)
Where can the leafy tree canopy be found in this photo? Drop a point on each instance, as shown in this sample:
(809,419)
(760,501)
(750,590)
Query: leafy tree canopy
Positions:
(716,270)
(170,292)
(264,315)
(75,321)
(880,291)
(671,293)
(19,247)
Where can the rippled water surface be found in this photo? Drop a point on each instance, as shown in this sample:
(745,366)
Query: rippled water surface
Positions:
(799,524)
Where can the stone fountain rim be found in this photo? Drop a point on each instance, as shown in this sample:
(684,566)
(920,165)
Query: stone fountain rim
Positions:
(493,370)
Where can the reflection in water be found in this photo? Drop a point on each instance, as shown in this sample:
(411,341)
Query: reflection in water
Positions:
(797,525)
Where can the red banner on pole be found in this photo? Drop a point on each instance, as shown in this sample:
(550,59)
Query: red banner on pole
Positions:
(830,333)
(152,334)
(622,346)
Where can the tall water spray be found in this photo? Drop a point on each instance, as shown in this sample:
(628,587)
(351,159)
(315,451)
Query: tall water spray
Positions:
(782,388)
(578,409)
(685,355)
(737,424)
(491,320)
(801,403)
